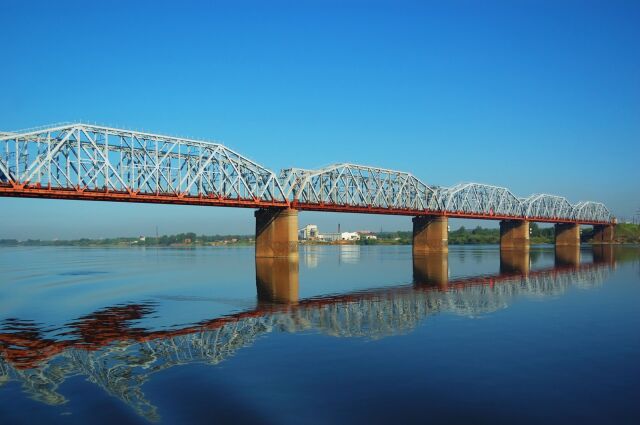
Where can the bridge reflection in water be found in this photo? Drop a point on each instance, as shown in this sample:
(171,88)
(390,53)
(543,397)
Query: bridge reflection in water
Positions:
(107,349)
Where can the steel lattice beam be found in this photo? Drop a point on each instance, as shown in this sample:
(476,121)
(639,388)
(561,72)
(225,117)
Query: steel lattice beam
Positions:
(89,162)
(86,161)
(355,186)
(480,199)
(591,211)
(547,207)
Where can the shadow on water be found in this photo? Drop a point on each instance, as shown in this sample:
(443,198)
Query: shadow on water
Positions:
(113,353)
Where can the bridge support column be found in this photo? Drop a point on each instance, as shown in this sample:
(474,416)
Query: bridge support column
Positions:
(276,233)
(430,235)
(514,234)
(603,233)
(514,261)
(567,234)
(277,280)
(431,269)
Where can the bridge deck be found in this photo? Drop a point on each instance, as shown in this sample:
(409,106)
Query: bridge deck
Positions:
(34,191)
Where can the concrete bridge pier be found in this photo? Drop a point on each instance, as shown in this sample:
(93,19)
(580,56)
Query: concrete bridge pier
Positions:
(603,233)
(515,261)
(567,234)
(277,233)
(277,280)
(514,234)
(567,244)
(430,235)
(431,269)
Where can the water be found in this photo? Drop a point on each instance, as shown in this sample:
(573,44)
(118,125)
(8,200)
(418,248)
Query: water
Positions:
(349,335)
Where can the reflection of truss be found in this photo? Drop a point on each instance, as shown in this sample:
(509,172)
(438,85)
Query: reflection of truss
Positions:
(121,365)
(82,161)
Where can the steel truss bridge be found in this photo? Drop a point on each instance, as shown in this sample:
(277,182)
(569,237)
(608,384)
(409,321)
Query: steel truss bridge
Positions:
(90,162)
(109,350)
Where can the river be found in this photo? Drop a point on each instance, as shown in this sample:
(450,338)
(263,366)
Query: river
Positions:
(349,334)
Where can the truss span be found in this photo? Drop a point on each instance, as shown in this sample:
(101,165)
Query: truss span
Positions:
(483,200)
(542,206)
(592,211)
(357,188)
(81,161)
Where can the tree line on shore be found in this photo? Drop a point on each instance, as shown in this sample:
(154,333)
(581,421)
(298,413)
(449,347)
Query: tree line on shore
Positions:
(624,233)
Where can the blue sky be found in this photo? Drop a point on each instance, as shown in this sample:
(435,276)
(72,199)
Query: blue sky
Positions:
(536,96)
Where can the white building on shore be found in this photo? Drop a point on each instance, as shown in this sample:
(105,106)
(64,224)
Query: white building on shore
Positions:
(329,237)
(308,232)
(350,236)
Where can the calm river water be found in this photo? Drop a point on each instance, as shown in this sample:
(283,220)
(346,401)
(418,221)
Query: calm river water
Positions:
(349,334)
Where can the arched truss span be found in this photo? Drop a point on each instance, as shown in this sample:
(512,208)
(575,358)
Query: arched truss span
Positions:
(479,199)
(544,206)
(349,185)
(88,158)
(592,211)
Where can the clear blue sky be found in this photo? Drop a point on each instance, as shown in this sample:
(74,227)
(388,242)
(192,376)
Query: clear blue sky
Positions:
(536,96)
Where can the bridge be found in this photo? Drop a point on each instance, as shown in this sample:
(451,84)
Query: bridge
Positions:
(97,163)
(111,351)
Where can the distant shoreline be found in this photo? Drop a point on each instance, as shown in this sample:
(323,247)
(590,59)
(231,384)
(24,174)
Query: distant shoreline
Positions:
(244,245)
(624,234)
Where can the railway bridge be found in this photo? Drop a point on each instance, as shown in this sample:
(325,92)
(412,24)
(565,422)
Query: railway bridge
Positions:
(90,162)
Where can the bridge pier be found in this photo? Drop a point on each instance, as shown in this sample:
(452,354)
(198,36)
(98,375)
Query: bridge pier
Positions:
(430,235)
(431,269)
(276,233)
(514,234)
(603,233)
(567,234)
(515,261)
(277,280)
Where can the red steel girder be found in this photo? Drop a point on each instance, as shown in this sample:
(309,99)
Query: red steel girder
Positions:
(172,198)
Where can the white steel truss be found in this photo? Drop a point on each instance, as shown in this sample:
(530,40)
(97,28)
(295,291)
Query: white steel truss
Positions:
(358,186)
(89,157)
(592,211)
(547,206)
(480,199)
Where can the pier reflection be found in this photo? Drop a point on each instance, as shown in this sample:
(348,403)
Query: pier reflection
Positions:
(109,349)
(515,261)
(431,269)
(277,280)
(567,256)
(604,254)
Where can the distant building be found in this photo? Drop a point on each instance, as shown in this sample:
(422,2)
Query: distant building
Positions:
(329,237)
(308,232)
(350,236)
(370,237)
